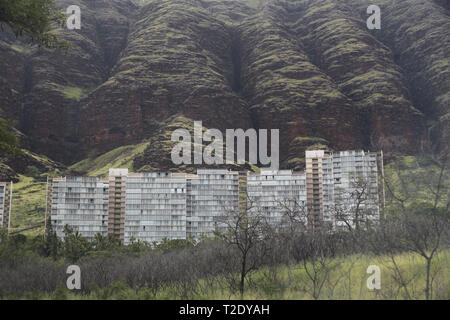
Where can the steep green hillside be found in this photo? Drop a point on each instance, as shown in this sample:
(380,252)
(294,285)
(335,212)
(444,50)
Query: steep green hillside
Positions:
(418,180)
(29,185)
(309,68)
(121,157)
(28,205)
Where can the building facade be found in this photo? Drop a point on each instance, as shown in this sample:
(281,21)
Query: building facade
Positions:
(80,203)
(276,193)
(212,195)
(342,188)
(155,206)
(117,183)
(5,203)
(336,190)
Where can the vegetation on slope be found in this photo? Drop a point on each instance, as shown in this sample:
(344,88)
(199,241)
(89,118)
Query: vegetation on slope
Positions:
(286,267)
(33,19)
(29,196)
(28,205)
(121,157)
(309,68)
(8,141)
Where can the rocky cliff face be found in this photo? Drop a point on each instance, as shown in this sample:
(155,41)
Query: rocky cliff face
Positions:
(309,68)
(177,61)
(54,86)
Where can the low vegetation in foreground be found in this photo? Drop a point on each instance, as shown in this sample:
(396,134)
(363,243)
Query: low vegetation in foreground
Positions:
(347,280)
(411,252)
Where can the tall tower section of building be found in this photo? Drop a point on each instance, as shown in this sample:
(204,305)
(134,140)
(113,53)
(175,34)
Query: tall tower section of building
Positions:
(116,203)
(315,187)
(342,188)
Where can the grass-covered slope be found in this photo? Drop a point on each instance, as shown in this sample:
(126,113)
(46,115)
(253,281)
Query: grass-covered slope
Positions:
(29,173)
(417,181)
(121,157)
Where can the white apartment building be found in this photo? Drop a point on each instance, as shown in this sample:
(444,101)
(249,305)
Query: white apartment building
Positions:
(343,187)
(275,193)
(5,203)
(337,190)
(2,202)
(155,206)
(353,177)
(212,194)
(81,203)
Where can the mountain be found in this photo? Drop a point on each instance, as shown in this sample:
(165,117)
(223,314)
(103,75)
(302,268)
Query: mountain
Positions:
(312,69)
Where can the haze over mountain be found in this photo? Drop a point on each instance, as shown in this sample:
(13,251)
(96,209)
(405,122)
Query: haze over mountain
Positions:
(309,68)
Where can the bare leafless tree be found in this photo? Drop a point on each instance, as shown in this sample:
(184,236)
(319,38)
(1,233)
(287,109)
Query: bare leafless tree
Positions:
(248,230)
(316,251)
(357,205)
